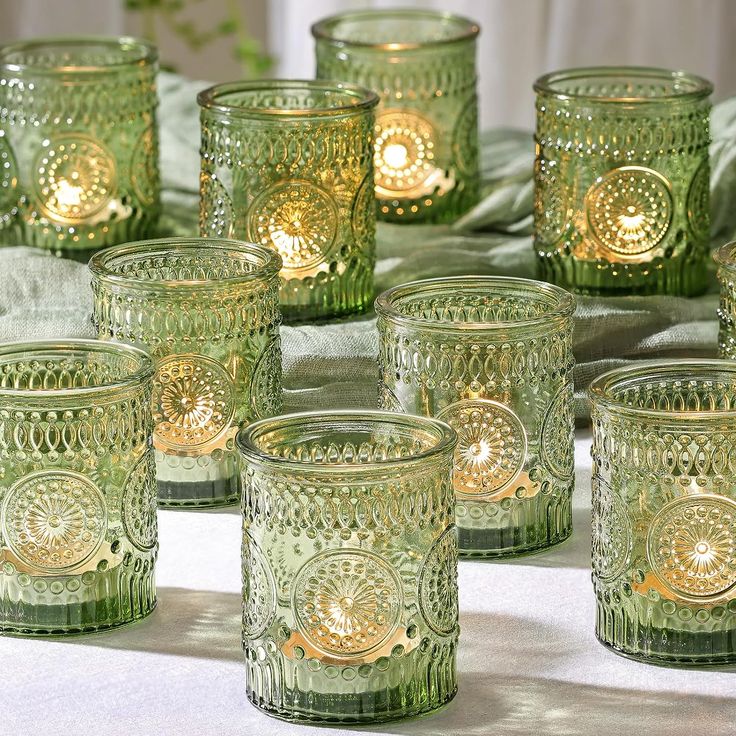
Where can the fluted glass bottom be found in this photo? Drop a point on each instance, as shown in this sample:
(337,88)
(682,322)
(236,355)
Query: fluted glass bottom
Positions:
(513,527)
(390,688)
(76,604)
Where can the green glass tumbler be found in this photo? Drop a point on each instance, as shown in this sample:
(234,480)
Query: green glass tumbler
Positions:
(492,357)
(287,164)
(422,64)
(78,143)
(207,311)
(726,260)
(622,198)
(664,511)
(78,533)
(350,608)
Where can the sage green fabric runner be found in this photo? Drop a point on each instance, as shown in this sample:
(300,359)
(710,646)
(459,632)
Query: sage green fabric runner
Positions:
(334,364)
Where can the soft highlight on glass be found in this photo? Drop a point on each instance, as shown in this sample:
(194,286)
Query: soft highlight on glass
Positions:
(78,529)
(622,180)
(726,259)
(664,511)
(422,64)
(492,357)
(287,164)
(350,609)
(207,311)
(78,143)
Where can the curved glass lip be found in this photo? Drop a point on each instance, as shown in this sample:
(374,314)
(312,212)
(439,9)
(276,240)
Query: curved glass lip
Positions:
(322,32)
(385,303)
(146,54)
(600,387)
(25,351)
(365,98)
(245,439)
(100,263)
(725,256)
(545,84)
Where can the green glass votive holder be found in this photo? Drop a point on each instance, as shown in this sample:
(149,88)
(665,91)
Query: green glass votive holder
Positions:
(350,608)
(78,532)
(422,64)
(726,260)
(492,357)
(287,164)
(664,511)
(78,143)
(207,311)
(622,198)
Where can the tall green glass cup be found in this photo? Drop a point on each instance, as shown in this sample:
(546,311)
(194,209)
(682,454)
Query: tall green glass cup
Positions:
(422,64)
(350,610)
(622,180)
(664,511)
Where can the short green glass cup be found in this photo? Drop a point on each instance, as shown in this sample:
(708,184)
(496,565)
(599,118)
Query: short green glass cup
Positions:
(78,143)
(726,259)
(664,511)
(78,532)
(492,357)
(350,608)
(207,311)
(422,64)
(287,164)
(622,197)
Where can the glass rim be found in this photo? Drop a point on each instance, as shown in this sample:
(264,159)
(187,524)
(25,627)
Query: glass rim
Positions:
(385,303)
(321,29)
(366,99)
(600,388)
(146,54)
(546,84)
(725,256)
(247,436)
(101,263)
(137,377)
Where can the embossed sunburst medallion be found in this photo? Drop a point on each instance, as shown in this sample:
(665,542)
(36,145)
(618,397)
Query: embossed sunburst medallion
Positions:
(259,590)
(75,177)
(691,545)
(54,520)
(363,219)
(465,138)
(557,445)
(265,385)
(298,219)
(403,153)
(438,584)
(215,207)
(629,210)
(193,401)
(139,504)
(491,446)
(347,602)
(144,167)
(698,201)
(611,532)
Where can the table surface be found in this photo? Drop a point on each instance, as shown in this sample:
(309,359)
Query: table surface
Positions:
(528,659)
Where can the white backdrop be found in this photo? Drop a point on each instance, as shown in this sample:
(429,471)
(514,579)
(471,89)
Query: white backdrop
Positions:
(521,39)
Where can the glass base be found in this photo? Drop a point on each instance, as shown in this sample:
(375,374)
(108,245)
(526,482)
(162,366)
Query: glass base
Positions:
(523,528)
(203,494)
(641,639)
(93,601)
(686,275)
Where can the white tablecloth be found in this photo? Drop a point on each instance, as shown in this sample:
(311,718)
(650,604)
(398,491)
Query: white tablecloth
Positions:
(528,661)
